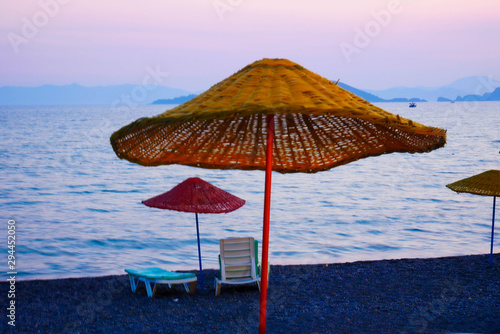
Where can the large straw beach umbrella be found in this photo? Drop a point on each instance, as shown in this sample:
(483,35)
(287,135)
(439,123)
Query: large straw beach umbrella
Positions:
(272,115)
(198,196)
(484,184)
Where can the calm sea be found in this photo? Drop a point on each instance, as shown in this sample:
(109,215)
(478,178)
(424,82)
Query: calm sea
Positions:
(78,209)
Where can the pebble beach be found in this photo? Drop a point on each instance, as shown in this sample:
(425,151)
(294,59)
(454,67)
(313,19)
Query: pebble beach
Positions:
(437,295)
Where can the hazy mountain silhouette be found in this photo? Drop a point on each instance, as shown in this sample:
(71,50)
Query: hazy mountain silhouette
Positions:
(175,100)
(365,95)
(493,96)
(475,85)
(75,94)
(373,98)
(470,88)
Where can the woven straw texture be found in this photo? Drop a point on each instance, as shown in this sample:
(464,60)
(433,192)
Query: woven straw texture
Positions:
(318,125)
(486,184)
(196,195)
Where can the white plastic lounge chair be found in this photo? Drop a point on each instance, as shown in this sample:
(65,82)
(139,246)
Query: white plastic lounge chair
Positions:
(238,263)
(160,276)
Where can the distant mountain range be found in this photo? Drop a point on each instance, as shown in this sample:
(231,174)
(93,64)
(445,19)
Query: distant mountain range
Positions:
(466,89)
(75,94)
(373,98)
(175,100)
(493,96)
(476,85)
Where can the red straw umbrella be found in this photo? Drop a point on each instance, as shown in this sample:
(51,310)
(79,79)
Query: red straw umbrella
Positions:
(198,196)
(272,115)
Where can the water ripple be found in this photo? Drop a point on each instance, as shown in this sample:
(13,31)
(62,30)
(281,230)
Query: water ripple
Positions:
(78,207)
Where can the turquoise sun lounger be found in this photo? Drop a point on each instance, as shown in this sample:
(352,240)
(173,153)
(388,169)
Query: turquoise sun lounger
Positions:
(160,276)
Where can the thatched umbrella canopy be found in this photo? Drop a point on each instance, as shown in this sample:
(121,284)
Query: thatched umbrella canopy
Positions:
(272,115)
(318,125)
(484,184)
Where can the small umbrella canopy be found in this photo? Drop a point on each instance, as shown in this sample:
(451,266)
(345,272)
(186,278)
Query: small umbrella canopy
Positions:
(272,115)
(484,184)
(198,196)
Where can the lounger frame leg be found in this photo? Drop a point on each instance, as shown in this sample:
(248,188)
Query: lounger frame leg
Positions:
(190,288)
(154,290)
(148,287)
(133,282)
(218,286)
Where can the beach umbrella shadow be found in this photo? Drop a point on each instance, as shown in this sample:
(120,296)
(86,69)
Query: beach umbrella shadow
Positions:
(484,184)
(272,115)
(197,196)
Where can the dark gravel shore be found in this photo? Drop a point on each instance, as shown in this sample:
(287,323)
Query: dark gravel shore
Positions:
(453,294)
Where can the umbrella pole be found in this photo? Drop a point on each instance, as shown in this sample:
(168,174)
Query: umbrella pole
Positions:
(199,250)
(265,230)
(492,229)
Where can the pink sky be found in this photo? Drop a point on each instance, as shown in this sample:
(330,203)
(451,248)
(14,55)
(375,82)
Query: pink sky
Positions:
(369,44)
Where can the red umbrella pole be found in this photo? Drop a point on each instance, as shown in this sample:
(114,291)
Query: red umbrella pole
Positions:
(265,229)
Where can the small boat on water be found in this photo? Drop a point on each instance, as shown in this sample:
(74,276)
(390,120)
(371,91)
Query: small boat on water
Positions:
(412,105)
